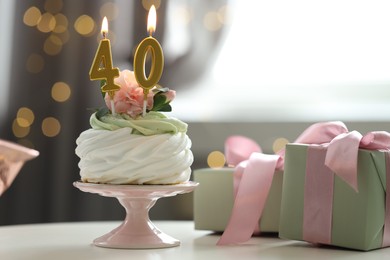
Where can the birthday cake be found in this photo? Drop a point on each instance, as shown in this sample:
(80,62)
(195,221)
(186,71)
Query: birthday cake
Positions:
(129,147)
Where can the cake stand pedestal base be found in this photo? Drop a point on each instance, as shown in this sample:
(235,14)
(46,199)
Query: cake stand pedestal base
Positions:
(136,231)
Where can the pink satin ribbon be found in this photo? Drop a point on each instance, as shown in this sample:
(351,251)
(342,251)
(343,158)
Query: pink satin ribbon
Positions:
(340,157)
(318,197)
(257,173)
(342,153)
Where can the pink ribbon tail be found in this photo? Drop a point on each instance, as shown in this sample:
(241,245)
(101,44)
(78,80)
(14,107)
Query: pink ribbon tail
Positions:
(251,198)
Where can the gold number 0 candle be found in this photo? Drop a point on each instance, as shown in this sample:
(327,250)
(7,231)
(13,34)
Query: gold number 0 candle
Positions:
(102,68)
(147,45)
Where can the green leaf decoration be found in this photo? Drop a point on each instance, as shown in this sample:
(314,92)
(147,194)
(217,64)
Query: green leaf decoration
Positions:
(102,112)
(159,101)
(166,108)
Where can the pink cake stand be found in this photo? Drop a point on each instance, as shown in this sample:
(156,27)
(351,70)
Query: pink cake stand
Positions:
(136,231)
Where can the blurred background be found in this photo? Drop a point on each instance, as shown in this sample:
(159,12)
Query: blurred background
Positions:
(264,69)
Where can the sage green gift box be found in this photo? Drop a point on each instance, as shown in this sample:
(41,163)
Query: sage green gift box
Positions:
(214,199)
(357,218)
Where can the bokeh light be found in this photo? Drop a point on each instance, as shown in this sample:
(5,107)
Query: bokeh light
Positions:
(47,23)
(25,117)
(52,45)
(31,16)
(51,127)
(216,159)
(63,36)
(211,21)
(84,25)
(18,130)
(110,10)
(60,91)
(61,23)
(279,144)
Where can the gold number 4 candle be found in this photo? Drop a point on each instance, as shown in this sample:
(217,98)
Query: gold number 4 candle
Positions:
(102,68)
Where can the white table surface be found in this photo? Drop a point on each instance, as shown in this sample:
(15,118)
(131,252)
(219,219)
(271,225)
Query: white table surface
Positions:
(72,241)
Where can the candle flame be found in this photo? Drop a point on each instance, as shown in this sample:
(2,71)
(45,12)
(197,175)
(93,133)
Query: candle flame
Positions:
(152,17)
(104,30)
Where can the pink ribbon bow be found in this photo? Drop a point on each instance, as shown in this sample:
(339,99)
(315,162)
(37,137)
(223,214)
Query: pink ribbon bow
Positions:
(341,158)
(257,171)
(342,153)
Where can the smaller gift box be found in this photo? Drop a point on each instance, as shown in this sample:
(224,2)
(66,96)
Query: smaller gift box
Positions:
(322,207)
(214,199)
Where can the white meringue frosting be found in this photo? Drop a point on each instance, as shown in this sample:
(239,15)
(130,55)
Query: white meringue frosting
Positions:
(126,156)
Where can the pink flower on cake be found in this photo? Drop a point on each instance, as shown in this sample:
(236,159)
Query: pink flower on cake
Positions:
(130,98)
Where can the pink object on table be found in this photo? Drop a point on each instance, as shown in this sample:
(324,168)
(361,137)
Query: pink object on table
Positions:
(12,158)
(239,148)
(136,231)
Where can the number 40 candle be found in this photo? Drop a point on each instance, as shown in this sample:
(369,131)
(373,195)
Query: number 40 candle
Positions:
(149,44)
(102,68)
